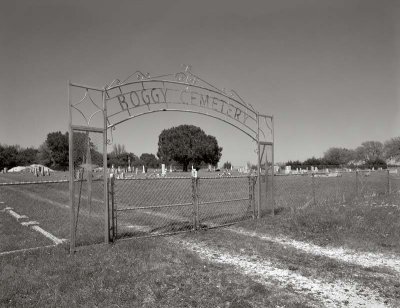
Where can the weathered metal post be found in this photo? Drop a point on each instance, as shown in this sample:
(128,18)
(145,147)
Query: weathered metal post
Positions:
(105,173)
(356,184)
(313,187)
(89,173)
(71,175)
(258,167)
(251,197)
(195,201)
(273,167)
(112,210)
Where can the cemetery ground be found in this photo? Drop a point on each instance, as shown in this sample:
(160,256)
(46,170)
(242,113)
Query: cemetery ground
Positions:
(335,255)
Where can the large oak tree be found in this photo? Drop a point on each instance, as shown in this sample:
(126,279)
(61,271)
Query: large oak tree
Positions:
(187,144)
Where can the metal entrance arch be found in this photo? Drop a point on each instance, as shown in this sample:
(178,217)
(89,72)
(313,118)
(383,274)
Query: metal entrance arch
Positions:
(94,113)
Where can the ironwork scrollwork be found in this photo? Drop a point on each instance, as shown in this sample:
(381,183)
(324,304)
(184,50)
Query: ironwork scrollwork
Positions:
(186,76)
(86,97)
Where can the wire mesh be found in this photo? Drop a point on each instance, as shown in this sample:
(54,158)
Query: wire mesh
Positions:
(225,200)
(157,206)
(88,188)
(152,206)
(324,189)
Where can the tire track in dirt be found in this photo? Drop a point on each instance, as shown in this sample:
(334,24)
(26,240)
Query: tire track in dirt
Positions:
(338,294)
(365,259)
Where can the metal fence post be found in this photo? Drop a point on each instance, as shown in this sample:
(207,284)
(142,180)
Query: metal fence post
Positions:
(113,213)
(71,176)
(356,184)
(251,197)
(195,199)
(313,188)
(389,189)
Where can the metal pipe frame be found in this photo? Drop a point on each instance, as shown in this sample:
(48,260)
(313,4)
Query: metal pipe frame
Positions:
(152,207)
(103,130)
(258,168)
(71,175)
(182,84)
(186,111)
(223,201)
(105,174)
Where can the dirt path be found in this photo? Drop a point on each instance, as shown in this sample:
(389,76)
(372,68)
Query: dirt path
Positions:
(337,294)
(345,255)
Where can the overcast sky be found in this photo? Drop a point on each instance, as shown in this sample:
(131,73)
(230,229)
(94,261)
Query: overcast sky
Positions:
(327,70)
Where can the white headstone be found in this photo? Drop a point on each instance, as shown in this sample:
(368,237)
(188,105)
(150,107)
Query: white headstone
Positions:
(170,168)
(144,171)
(194,173)
(163,170)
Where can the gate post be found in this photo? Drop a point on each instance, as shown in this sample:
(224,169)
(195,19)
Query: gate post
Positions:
(313,187)
(105,173)
(112,210)
(71,175)
(195,198)
(252,204)
(356,184)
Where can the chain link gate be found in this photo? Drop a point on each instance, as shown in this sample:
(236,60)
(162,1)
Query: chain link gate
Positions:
(87,225)
(161,206)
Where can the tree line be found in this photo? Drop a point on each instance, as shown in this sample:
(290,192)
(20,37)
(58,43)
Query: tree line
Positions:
(179,146)
(54,153)
(370,154)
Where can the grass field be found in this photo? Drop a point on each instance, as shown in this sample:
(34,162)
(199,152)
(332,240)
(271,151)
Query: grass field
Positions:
(338,254)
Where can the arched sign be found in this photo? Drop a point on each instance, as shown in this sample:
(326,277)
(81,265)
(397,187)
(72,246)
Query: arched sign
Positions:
(183,92)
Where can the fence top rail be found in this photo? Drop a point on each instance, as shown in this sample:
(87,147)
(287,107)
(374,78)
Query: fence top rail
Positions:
(187,178)
(155,178)
(45,182)
(226,177)
(33,182)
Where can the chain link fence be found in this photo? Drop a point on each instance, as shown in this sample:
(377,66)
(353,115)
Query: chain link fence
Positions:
(159,206)
(322,189)
(88,223)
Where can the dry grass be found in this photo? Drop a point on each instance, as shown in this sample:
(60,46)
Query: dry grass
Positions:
(14,236)
(160,273)
(150,273)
